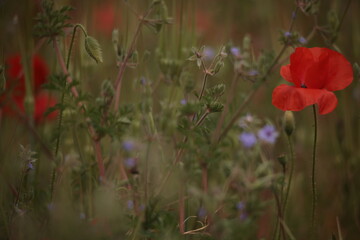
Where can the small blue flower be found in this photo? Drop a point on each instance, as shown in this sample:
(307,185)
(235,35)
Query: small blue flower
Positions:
(293,15)
(253,72)
(130,162)
(208,53)
(143,81)
(128,145)
(247,139)
(235,51)
(302,40)
(130,204)
(202,212)
(30,166)
(240,206)
(268,134)
(142,207)
(287,34)
(243,216)
(183,101)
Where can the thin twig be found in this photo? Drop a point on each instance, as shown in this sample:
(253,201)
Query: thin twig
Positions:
(123,65)
(75,93)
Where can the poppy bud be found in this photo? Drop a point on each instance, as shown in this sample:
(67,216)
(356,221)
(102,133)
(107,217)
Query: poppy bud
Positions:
(289,122)
(282,160)
(93,48)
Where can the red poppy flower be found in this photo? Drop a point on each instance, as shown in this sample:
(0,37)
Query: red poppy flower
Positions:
(315,73)
(16,86)
(104,17)
(16,79)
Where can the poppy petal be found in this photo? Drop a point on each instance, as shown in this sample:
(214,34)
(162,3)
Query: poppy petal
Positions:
(16,80)
(292,98)
(42,103)
(286,73)
(40,72)
(300,62)
(329,70)
(339,72)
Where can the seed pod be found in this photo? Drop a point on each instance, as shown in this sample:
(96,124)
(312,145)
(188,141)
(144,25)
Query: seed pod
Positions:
(289,122)
(218,66)
(93,48)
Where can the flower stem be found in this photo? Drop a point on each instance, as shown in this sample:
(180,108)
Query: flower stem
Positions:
(313,183)
(128,54)
(292,162)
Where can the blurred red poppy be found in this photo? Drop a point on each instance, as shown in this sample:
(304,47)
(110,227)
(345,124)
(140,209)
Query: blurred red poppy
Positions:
(13,101)
(315,73)
(104,17)
(15,74)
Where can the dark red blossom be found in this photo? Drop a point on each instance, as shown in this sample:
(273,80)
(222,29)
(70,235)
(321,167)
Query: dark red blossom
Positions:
(15,74)
(104,17)
(315,73)
(12,102)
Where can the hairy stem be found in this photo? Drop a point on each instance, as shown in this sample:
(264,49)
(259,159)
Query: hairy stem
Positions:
(126,59)
(280,215)
(292,162)
(313,182)
(229,98)
(75,93)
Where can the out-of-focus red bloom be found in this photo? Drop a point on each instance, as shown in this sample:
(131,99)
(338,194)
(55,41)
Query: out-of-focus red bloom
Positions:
(203,21)
(13,101)
(315,73)
(16,79)
(104,17)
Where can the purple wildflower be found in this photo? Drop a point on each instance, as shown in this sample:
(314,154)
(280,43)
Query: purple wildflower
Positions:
(143,81)
(293,15)
(302,40)
(268,134)
(240,206)
(287,34)
(248,139)
(235,51)
(243,216)
(208,53)
(30,166)
(130,204)
(128,145)
(130,162)
(253,72)
(142,207)
(183,101)
(202,212)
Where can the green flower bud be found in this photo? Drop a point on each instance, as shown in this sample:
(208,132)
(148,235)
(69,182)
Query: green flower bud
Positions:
(289,122)
(215,107)
(107,88)
(218,66)
(93,48)
(282,160)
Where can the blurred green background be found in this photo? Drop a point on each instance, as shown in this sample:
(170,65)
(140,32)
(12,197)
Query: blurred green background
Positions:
(196,23)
